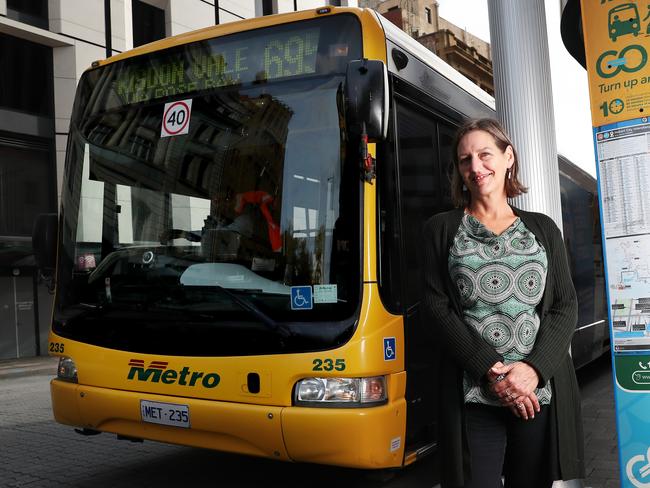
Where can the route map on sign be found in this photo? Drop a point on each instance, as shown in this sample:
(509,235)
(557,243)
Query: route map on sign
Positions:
(628,266)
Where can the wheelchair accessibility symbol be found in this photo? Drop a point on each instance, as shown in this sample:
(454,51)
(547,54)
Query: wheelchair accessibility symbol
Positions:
(389,349)
(301,298)
(639,465)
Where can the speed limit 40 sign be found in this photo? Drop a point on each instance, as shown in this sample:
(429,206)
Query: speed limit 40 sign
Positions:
(176,118)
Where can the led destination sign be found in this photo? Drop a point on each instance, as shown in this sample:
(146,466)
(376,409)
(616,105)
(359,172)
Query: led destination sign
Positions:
(214,63)
(321,46)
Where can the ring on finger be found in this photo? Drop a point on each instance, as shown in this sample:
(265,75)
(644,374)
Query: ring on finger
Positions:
(520,405)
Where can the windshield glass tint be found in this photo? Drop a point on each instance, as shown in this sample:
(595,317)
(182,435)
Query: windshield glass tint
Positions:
(246,224)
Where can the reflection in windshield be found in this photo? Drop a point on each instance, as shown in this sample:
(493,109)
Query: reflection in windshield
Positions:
(255,199)
(230,276)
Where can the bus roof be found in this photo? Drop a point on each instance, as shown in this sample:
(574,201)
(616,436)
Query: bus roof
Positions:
(230,28)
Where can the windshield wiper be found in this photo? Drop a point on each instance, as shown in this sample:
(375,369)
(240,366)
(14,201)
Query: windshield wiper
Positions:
(246,304)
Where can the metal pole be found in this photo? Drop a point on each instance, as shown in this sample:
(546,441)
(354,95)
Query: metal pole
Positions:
(37,322)
(107,26)
(16,313)
(216,12)
(524,100)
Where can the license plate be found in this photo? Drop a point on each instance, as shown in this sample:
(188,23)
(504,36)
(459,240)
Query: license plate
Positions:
(165,413)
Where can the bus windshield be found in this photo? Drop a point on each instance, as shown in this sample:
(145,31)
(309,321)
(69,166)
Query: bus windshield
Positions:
(210,206)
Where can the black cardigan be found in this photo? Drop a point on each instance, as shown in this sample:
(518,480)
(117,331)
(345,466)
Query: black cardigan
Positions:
(462,348)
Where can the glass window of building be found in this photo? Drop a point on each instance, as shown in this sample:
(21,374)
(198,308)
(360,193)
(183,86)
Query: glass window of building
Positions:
(26,176)
(32,12)
(267,7)
(25,76)
(148,23)
(427,13)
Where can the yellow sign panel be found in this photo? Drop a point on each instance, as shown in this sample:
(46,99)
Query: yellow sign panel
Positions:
(617,47)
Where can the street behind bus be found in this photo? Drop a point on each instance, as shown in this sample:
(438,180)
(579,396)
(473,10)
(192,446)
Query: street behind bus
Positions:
(37,452)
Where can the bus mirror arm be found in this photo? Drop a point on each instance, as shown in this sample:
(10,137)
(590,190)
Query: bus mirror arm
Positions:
(44,240)
(366,98)
(367,161)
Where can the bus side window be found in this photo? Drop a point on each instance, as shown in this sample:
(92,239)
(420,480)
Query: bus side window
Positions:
(446,135)
(419,180)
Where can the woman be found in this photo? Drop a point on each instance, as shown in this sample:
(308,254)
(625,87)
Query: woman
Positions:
(504,310)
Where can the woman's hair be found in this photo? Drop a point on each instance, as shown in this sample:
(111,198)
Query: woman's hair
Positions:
(513,186)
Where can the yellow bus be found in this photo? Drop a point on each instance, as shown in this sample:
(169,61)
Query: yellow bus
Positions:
(238,262)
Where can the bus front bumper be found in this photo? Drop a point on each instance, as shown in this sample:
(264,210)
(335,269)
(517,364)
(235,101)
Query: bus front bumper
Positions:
(354,437)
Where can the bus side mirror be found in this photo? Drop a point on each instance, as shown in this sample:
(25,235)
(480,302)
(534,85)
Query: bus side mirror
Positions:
(366,96)
(44,241)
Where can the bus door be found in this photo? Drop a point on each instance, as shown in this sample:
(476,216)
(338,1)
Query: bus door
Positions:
(418,162)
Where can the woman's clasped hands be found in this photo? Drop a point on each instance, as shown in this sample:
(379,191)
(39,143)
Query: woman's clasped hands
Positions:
(514,384)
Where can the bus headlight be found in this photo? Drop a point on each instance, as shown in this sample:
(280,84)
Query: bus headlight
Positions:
(341,392)
(67,370)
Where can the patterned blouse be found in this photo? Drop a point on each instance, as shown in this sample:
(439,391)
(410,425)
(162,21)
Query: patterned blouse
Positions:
(500,280)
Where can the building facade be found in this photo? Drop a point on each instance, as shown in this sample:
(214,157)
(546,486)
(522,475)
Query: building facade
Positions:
(45,46)
(465,52)
(415,17)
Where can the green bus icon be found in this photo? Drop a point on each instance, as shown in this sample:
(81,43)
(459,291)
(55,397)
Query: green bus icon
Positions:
(623,20)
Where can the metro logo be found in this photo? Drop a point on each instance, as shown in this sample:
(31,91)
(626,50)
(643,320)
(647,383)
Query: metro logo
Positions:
(157,372)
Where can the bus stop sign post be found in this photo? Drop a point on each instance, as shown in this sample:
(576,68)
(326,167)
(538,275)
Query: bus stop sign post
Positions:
(617,43)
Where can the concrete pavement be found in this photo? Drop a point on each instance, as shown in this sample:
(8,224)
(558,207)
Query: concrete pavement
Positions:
(599,418)
(11,368)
